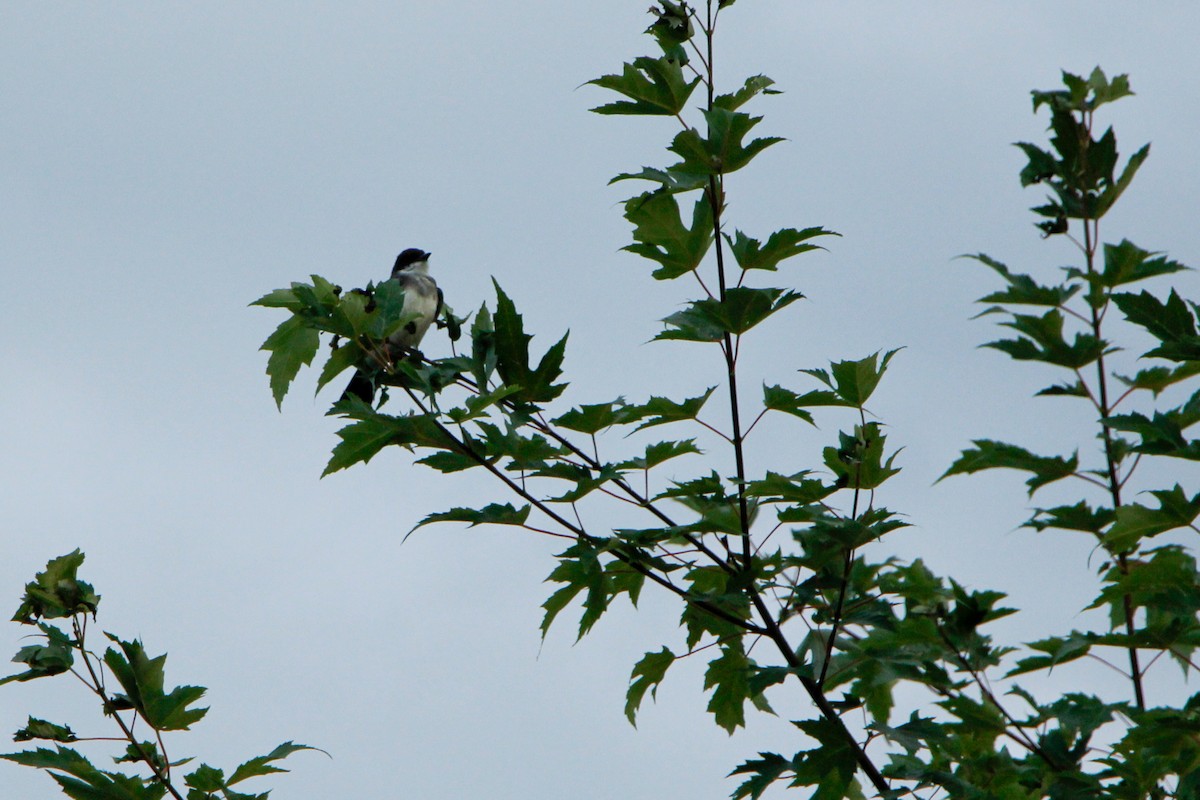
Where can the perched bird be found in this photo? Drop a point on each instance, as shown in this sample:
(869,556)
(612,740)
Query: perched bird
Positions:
(422,298)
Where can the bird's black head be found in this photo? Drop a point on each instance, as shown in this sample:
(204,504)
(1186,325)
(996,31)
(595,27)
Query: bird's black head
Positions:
(409,257)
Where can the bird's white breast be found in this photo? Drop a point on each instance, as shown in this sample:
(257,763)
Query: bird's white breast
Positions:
(420,300)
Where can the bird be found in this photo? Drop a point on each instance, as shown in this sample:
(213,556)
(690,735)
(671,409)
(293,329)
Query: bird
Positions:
(422,300)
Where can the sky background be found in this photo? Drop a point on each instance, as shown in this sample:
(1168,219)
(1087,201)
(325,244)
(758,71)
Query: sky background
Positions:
(162,165)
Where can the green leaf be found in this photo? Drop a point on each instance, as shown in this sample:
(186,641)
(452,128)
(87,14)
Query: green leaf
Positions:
(1171,323)
(262,764)
(542,388)
(338,362)
(1114,190)
(592,419)
(57,592)
(653,86)
(781,245)
(988,454)
(670,180)
(647,674)
(1136,522)
(511,341)
(763,772)
(80,780)
(1042,340)
(512,355)
(829,767)
(1157,379)
(1128,263)
(1022,289)
(1079,517)
(491,514)
(797,488)
(662,410)
(742,309)
(1053,651)
(658,452)
(41,729)
(857,461)
(362,439)
(728,677)
(580,569)
(206,779)
(44,660)
(292,345)
(855,381)
(752,87)
(141,677)
(447,461)
(483,347)
(660,235)
(777,398)
(280,298)
(1163,434)
(722,151)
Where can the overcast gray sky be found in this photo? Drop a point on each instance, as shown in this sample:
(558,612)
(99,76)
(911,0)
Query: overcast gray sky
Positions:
(164,164)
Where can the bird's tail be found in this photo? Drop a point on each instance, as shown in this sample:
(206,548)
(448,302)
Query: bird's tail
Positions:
(360,386)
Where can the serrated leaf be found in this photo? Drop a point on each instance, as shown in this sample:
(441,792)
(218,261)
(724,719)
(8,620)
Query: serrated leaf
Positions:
(662,410)
(855,381)
(512,355)
(647,675)
(41,729)
(511,341)
(660,235)
(722,151)
(728,676)
(1115,189)
(363,439)
(1170,322)
(44,660)
(797,488)
(857,461)
(763,772)
(491,514)
(339,361)
(262,764)
(653,86)
(56,592)
(752,87)
(292,346)
(1042,340)
(1163,434)
(781,245)
(1054,650)
(280,298)
(141,677)
(1127,263)
(988,454)
(580,569)
(741,310)
(1022,289)
(483,347)
(777,398)
(1157,379)
(206,779)
(1079,517)
(1136,522)
(659,452)
(592,418)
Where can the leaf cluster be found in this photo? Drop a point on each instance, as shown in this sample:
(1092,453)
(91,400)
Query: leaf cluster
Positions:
(58,594)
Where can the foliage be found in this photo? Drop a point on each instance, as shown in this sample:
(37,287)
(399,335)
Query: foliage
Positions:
(58,594)
(778,587)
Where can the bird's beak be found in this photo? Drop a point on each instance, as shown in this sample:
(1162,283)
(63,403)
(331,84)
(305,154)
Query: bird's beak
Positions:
(426,256)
